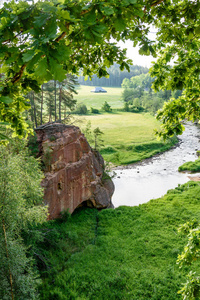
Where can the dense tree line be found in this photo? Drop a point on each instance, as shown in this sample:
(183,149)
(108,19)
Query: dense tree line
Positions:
(116,76)
(138,94)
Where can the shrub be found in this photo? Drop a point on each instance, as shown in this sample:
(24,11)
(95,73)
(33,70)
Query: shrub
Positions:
(81,109)
(106,107)
(94,110)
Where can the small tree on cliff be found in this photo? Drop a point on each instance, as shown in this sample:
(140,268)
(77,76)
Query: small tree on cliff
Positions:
(98,141)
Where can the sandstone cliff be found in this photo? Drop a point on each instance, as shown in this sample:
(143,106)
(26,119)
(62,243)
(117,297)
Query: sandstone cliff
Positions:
(74,173)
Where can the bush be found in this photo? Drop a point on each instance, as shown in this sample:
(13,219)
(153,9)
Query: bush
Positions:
(94,110)
(106,107)
(81,109)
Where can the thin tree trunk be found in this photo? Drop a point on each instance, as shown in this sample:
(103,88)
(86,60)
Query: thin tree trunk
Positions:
(35,117)
(55,97)
(41,112)
(7,255)
(32,108)
(60,98)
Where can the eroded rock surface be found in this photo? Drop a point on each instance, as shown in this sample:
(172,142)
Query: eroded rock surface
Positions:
(74,172)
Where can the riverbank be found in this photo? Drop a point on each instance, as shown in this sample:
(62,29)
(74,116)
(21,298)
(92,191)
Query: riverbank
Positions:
(152,178)
(125,253)
(127,137)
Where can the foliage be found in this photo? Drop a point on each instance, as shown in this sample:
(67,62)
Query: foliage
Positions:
(191,289)
(126,253)
(94,110)
(177,43)
(33,145)
(138,90)
(20,206)
(81,109)
(94,137)
(47,157)
(46,40)
(98,141)
(106,107)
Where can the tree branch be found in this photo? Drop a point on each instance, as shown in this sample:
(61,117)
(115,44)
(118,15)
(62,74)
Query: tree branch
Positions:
(19,74)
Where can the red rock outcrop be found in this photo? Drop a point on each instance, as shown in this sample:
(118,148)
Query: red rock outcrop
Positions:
(74,172)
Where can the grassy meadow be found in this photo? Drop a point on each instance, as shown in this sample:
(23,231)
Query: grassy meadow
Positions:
(128,137)
(128,253)
(96,100)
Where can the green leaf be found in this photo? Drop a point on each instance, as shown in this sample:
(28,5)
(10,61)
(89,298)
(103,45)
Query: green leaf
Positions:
(57,70)
(51,29)
(28,55)
(139,13)
(63,14)
(41,20)
(34,61)
(41,70)
(6,99)
(108,11)
(119,24)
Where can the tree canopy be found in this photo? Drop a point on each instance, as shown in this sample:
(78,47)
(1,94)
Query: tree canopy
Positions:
(178,63)
(47,39)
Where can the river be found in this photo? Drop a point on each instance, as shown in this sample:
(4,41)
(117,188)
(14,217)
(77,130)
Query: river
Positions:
(138,183)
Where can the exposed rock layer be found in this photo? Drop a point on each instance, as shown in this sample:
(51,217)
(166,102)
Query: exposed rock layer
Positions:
(74,172)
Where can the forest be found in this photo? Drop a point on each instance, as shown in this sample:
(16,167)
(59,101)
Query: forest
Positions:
(116,76)
(43,46)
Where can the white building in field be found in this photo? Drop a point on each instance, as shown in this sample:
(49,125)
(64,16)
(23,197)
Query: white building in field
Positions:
(98,90)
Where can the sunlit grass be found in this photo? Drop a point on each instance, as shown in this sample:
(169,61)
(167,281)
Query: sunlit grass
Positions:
(123,132)
(123,127)
(96,100)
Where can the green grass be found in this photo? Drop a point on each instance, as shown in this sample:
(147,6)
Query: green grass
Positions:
(96,100)
(192,166)
(126,253)
(128,137)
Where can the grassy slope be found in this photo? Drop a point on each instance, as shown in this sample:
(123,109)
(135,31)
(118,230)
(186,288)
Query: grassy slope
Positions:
(128,137)
(126,253)
(96,100)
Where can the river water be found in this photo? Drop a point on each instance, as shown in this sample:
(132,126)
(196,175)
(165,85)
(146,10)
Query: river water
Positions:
(152,178)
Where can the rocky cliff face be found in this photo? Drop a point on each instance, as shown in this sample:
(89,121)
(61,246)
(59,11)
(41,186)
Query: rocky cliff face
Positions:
(74,172)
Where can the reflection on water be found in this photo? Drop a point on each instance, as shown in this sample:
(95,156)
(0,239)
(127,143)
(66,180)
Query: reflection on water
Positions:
(151,179)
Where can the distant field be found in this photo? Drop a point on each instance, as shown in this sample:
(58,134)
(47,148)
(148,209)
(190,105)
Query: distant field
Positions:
(128,137)
(96,100)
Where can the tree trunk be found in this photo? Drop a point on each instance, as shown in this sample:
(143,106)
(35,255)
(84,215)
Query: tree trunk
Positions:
(35,116)
(55,97)
(60,99)
(41,111)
